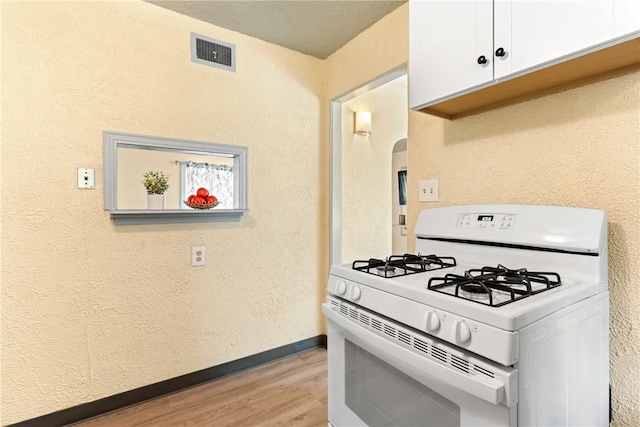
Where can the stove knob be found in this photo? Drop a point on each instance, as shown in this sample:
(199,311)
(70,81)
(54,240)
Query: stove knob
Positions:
(341,287)
(355,293)
(462,331)
(433,322)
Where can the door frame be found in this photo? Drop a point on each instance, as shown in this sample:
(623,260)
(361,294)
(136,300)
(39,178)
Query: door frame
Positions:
(335,141)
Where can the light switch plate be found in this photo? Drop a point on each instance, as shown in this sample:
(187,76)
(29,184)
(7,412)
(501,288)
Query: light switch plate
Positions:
(428,190)
(86,178)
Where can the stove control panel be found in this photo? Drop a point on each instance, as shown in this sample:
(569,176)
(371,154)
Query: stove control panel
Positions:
(347,290)
(479,338)
(487,221)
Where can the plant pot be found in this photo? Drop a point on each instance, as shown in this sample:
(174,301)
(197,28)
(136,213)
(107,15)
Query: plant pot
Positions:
(155,201)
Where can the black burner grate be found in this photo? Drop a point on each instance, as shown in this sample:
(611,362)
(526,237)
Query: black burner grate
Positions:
(402,265)
(495,286)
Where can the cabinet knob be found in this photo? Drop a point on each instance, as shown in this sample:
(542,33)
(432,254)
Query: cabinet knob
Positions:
(500,52)
(482,60)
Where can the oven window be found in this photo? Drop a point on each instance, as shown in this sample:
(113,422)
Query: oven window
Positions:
(381,395)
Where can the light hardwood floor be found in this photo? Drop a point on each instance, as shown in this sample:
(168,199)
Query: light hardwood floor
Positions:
(287,392)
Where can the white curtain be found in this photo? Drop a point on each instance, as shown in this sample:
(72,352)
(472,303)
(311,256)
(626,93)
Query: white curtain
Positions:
(218,179)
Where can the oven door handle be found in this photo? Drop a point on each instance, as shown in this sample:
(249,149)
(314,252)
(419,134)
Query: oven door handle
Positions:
(489,390)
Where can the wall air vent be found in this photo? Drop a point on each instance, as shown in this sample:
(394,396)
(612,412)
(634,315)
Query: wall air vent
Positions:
(214,53)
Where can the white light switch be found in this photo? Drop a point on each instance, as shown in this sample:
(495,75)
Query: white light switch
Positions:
(428,190)
(86,178)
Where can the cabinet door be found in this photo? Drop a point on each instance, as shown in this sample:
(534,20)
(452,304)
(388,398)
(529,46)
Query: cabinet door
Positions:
(532,32)
(446,38)
(627,16)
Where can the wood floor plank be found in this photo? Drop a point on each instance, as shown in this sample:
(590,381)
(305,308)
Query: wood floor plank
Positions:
(289,392)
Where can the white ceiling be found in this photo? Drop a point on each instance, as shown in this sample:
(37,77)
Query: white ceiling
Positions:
(314,27)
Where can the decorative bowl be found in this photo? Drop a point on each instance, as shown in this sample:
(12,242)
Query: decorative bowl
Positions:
(202,205)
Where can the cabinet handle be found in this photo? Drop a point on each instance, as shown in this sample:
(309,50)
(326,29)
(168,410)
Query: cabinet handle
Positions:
(482,60)
(500,52)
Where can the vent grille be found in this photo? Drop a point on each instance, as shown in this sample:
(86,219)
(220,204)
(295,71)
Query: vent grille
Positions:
(420,345)
(404,337)
(215,53)
(439,354)
(459,363)
(408,339)
(365,319)
(483,371)
(389,331)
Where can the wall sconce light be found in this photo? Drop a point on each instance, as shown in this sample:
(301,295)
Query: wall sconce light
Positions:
(363,123)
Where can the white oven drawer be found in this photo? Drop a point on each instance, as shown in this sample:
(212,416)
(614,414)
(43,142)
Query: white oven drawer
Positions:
(381,373)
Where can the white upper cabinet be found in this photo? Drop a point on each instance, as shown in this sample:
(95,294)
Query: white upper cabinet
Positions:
(460,47)
(531,32)
(451,47)
(627,17)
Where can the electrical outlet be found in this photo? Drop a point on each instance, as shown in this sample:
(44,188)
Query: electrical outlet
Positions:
(86,178)
(428,190)
(198,256)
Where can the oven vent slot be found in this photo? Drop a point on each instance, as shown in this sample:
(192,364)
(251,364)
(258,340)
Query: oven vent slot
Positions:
(344,310)
(365,319)
(421,345)
(460,363)
(376,324)
(441,355)
(484,371)
(335,303)
(404,337)
(389,331)
(353,313)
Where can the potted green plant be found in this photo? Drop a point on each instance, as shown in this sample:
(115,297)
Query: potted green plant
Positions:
(156,183)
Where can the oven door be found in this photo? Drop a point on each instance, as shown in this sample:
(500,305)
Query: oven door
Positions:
(384,374)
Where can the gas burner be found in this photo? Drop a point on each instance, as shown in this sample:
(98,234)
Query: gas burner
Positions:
(494,286)
(385,268)
(402,265)
(474,291)
(474,288)
(538,281)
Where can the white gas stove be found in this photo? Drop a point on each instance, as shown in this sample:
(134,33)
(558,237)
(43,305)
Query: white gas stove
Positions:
(501,318)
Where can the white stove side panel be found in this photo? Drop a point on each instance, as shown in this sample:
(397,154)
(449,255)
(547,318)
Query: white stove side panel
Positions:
(553,227)
(563,367)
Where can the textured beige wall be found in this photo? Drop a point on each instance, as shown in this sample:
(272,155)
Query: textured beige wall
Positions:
(371,54)
(90,309)
(574,148)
